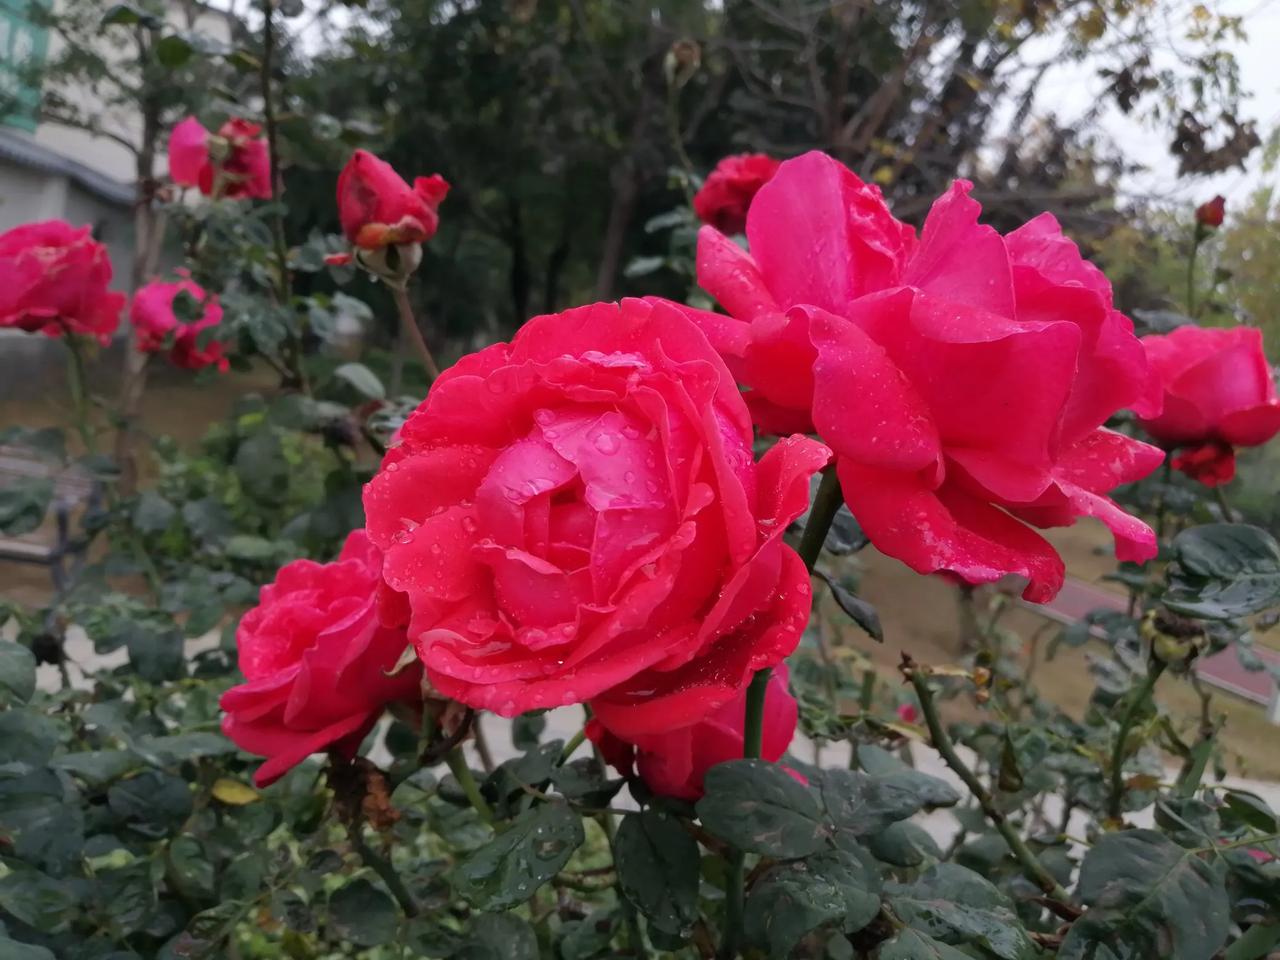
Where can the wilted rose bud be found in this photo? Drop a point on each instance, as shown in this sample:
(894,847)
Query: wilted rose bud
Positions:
(682,62)
(1211,212)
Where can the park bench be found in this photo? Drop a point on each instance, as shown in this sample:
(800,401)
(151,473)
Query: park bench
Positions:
(58,542)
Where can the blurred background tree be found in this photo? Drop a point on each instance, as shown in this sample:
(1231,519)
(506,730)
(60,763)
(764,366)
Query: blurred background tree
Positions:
(566,125)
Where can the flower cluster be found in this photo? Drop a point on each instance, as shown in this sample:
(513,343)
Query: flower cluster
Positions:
(160,329)
(233,163)
(578,516)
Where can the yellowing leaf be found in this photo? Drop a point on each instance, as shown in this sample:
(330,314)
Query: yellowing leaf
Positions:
(234,793)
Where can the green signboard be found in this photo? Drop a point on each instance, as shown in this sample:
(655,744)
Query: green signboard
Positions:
(23,45)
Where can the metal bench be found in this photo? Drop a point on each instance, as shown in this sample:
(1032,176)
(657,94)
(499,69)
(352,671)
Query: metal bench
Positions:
(55,544)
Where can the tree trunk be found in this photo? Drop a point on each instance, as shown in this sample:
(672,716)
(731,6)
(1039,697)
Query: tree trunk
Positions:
(623,208)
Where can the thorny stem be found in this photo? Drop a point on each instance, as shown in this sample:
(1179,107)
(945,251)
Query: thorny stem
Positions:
(409,329)
(1221,496)
(574,743)
(825,504)
(383,869)
(1141,696)
(78,387)
(283,286)
(462,773)
(1035,871)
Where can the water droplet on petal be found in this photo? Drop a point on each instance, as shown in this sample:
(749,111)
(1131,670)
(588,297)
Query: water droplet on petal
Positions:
(606,443)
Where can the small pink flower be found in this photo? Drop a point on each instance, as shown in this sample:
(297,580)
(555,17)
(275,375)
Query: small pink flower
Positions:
(234,164)
(908,713)
(158,326)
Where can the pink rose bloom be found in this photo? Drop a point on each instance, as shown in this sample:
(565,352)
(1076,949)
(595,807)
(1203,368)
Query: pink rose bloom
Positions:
(576,516)
(726,195)
(315,657)
(962,378)
(1218,395)
(908,713)
(236,163)
(54,279)
(378,209)
(673,763)
(154,320)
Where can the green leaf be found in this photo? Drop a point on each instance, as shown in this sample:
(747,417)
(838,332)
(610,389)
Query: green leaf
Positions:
(13,950)
(643,266)
(1143,889)
(526,730)
(17,671)
(760,808)
(590,937)
(127,14)
(28,737)
(173,51)
(958,907)
(153,513)
(128,894)
(499,936)
(914,945)
(505,787)
(903,845)
(364,380)
(859,611)
(586,782)
(864,805)
(1249,809)
(23,503)
(793,899)
(1254,943)
(658,865)
(154,803)
(363,914)
(97,768)
(43,819)
(37,900)
(533,848)
(1223,571)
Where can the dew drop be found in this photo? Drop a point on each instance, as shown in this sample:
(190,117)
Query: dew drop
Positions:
(606,443)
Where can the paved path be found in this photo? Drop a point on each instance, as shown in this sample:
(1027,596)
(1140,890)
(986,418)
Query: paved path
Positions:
(1222,670)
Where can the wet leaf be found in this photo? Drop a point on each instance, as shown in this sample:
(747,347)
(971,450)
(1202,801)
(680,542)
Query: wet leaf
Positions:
(657,863)
(532,849)
(1223,571)
(760,808)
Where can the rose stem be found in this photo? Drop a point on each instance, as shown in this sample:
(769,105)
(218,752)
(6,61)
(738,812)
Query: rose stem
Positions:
(409,327)
(825,504)
(462,773)
(1141,696)
(1033,868)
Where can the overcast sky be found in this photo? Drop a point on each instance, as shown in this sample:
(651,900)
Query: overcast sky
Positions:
(1073,88)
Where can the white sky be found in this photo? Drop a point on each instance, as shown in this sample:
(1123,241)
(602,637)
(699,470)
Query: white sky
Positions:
(1072,89)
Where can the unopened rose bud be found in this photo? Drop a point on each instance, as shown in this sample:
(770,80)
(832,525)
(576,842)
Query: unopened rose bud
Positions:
(907,713)
(1210,213)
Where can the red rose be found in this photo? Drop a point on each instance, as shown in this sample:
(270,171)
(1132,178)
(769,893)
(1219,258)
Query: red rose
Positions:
(576,516)
(154,320)
(378,209)
(316,659)
(1211,212)
(673,763)
(53,279)
(1218,395)
(907,713)
(234,164)
(962,379)
(727,193)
